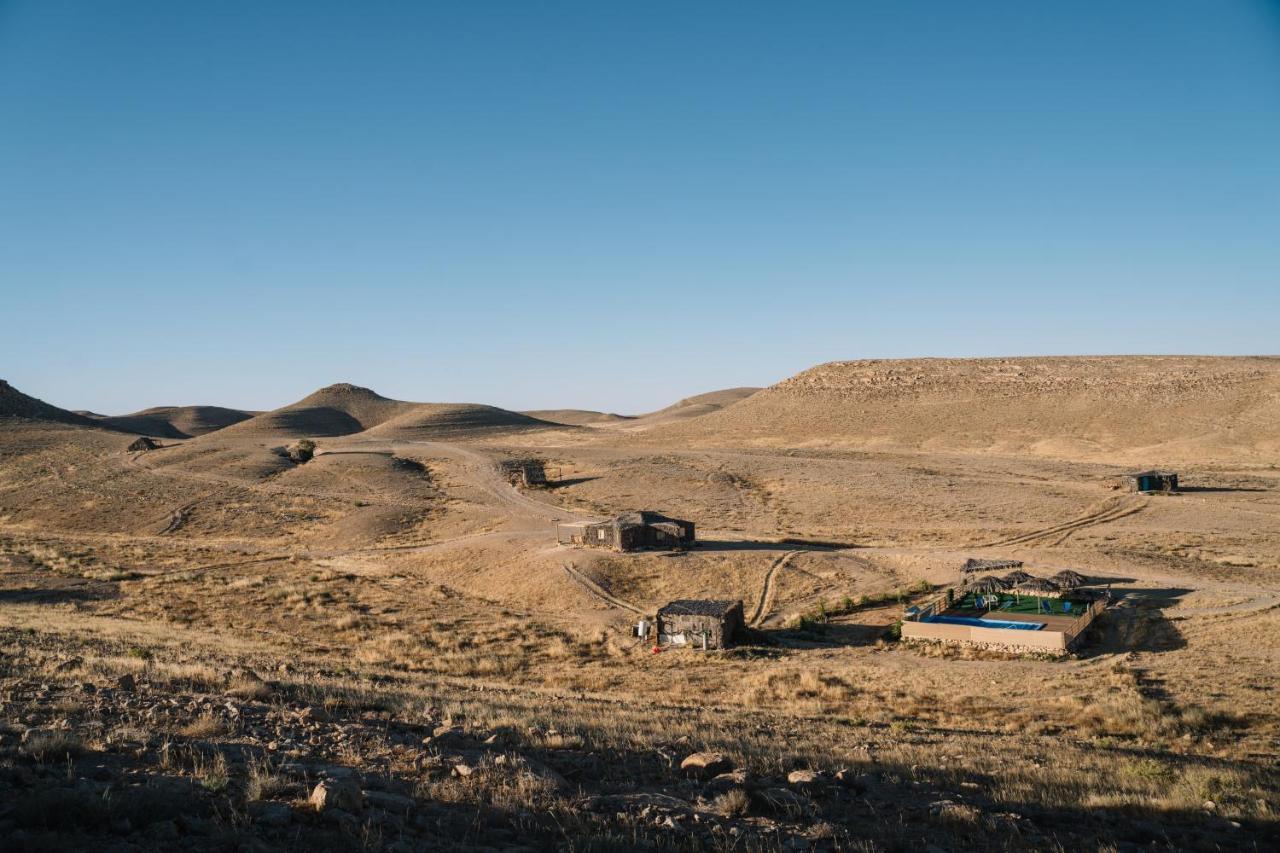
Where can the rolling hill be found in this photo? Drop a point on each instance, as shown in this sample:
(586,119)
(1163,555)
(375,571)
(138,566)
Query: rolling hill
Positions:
(1150,409)
(334,410)
(176,421)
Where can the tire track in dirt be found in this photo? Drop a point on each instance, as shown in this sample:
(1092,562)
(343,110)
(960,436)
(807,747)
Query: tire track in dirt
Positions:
(1104,515)
(766,592)
(598,591)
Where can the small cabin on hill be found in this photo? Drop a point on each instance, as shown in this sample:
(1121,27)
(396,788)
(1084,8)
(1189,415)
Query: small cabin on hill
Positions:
(530,473)
(143,443)
(700,623)
(631,531)
(1154,481)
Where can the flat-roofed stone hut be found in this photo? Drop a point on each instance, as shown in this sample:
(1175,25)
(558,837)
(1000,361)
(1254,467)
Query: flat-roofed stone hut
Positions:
(631,531)
(144,443)
(700,623)
(530,473)
(1154,481)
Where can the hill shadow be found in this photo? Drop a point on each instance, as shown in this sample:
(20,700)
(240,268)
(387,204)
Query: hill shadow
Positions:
(65,595)
(1135,622)
(1189,489)
(571,481)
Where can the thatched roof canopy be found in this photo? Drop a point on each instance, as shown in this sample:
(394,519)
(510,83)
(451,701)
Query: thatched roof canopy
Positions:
(1069,579)
(973,564)
(988,584)
(1038,586)
(1015,578)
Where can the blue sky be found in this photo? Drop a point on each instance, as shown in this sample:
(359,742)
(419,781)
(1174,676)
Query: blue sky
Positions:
(613,205)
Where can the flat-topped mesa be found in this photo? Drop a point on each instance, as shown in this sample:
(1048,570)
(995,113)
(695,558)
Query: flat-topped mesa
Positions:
(1138,377)
(1178,409)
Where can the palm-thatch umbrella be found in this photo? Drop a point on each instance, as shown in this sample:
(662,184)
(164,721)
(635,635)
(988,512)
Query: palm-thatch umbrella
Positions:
(1067,579)
(1039,587)
(988,584)
(1015,578)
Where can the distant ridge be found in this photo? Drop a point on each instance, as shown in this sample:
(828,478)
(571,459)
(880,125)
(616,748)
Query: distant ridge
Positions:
(1156,408)
(15,404)
(176,421)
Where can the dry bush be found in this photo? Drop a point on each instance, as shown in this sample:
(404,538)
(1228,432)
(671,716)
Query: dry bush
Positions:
(263,781)
(245,687)
(52,745)
(804,691)
(503,782)
(732,803)
(203,727)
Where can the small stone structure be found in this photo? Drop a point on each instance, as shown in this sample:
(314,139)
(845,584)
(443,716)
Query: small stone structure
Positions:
(1153,481)
(143,443)
(530,473)
(700,623)
(631,531)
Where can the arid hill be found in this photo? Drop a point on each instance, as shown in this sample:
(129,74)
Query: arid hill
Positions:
(344,409)
(176,421)
(577,417)
(340,409)
(1152,409)
(430,420)
(15,404)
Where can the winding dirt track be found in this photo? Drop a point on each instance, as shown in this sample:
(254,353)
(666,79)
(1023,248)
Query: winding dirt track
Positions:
(766,592)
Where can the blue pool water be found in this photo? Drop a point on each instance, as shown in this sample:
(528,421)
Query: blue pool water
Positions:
(986,623)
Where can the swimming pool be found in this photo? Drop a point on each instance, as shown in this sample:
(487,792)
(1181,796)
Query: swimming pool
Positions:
(986,623)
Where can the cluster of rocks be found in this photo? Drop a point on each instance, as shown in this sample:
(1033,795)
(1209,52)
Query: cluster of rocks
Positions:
(346,773)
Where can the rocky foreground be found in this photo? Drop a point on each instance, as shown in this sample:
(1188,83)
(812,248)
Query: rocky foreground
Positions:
(127,763)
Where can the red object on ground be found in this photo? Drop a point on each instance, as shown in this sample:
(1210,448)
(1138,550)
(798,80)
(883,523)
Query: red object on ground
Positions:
(656,650)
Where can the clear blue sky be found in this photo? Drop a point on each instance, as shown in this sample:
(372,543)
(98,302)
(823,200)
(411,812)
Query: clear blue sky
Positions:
(613,205)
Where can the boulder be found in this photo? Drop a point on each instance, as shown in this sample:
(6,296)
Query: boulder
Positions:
(726,782)
(126,682)
(808,780)
(272,814)
(706,765)
(338,793)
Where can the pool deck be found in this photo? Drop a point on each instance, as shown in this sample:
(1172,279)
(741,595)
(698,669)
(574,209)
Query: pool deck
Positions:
(1054,622)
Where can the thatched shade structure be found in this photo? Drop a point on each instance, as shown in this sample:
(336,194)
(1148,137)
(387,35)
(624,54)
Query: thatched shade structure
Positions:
(987,585)
(974,565)
(1068,579)
(1016,578)
(1037,587)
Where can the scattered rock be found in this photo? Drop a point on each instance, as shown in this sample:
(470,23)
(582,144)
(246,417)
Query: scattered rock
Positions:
(706,765)
(274,814)
(808,780)
(726,782)
(337,793)
(126,682)
(853,781)
(387,801)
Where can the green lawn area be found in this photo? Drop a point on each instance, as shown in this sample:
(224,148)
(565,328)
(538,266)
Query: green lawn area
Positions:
(1025,605)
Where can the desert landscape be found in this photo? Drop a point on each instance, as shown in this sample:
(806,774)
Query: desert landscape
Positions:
(344,625)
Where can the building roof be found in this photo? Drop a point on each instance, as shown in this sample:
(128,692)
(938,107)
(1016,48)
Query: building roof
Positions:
(699,607)
(975,565)
(645,518)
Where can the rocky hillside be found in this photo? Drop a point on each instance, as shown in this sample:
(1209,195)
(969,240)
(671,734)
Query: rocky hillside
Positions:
(1151,409)
(15,404)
